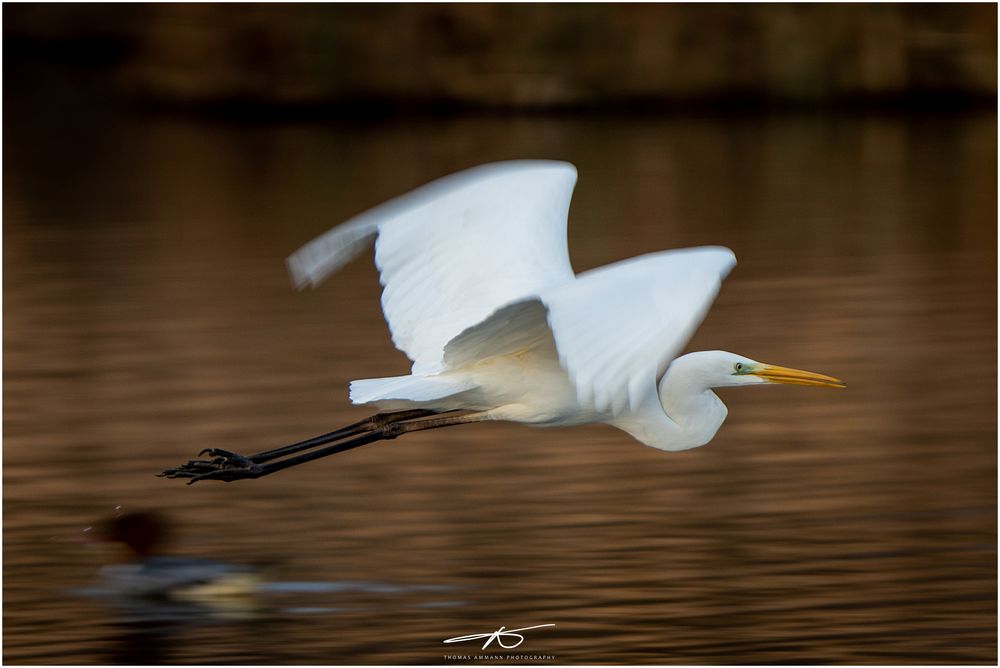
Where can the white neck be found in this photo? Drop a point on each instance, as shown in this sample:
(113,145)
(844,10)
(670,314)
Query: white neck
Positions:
(686,414)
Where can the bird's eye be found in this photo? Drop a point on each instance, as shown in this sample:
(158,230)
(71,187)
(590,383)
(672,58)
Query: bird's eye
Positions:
(739,367)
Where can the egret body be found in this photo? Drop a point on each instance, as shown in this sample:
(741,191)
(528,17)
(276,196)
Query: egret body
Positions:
(480,295)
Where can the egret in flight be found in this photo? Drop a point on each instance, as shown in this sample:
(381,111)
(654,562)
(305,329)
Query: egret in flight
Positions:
(480,295)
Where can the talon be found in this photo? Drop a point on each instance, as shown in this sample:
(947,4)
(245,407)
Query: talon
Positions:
(176,473)
(224,465)
(218,452)
(225,475)
(223,457)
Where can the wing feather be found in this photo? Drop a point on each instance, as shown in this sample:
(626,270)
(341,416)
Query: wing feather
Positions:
(617,328)
(477,264)
(453,251)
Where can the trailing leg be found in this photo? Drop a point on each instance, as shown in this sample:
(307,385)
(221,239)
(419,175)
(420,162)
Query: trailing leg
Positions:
(229,466)
(372,423)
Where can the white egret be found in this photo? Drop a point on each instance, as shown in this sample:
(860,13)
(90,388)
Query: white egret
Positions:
(480,295)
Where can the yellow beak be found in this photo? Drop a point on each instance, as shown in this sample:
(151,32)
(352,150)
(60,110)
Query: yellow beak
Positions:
(780,374)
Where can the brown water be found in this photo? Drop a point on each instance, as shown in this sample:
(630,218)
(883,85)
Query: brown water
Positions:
(147,315)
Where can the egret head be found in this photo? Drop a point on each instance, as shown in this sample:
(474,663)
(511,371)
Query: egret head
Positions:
(717,368)
(695,411)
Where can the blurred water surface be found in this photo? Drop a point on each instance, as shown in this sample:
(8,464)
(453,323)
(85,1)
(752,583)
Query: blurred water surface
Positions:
(148,315)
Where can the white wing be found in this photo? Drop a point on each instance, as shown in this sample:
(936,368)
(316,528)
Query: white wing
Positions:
(618,327)
(615,328)
(453,251)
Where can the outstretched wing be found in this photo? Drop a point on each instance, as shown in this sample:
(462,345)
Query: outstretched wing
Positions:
(618,327)
(453,251)
(615,328)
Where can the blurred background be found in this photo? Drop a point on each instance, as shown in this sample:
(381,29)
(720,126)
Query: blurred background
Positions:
(162,160)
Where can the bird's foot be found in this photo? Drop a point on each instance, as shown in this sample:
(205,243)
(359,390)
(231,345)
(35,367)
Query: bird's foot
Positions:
(223,465)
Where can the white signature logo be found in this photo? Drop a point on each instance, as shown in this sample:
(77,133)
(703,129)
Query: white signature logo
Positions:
(498,635)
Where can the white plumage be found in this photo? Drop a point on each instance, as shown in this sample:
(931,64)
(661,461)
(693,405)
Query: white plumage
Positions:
(452,252)
(480,294)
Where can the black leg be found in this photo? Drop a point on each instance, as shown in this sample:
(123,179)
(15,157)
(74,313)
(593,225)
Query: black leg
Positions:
(229,466)
(368,424)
